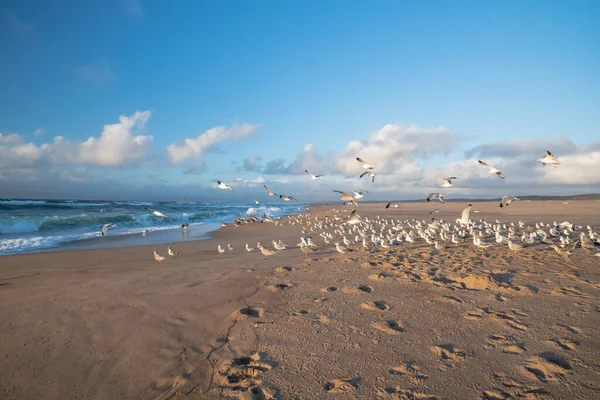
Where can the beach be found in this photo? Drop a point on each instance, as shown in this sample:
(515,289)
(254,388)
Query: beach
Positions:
(408,322)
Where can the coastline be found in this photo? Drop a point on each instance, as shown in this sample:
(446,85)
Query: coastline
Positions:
(112,323)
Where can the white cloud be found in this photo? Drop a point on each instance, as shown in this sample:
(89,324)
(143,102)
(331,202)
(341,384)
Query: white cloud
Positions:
(97,73)
(118,145)
(192,148)
(10,140)
(18,26)
(39,131)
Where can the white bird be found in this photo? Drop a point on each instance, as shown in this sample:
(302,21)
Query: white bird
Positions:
(359,195)
(265,252)
(286,198)
(107,227)
(102,210)
(229,247)
(220,249)
(371,174)
(341,248)
(549,158)
(270,191)
(448,182)
(464,219)
(506,200)
(145,233)
(157,213)
(157,256)
(434,195)
(223,186)
(492,169)
(365,165)
(354,218)
(248,248)
(171,252)
(347,197)
(313,176)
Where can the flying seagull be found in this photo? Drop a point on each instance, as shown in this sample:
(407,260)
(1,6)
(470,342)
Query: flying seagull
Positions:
(432,196)
(549,158)
(354,218)
(372,175)
(107,227)
(434,211)
(506,200)
(313,176)
(157,213)
(448,182)
(286,198)
(347,197)
(270,191)
(493,170)
(392,205)
(223,186)
(255,201)
(359,195)
(365,165)
(464,219)
(181,200)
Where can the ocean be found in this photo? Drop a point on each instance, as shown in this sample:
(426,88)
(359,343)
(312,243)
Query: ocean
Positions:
(41,225)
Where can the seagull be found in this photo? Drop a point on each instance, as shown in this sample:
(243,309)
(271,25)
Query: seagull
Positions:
(107,227)
(102,210)
(270,191)
(180,201)
(157,256)
(506,200)
(347,197)
(434,211)
(364,164)
(448,182)
(145,233)
(388,205)
(341,248)
(255,201)
(157,213)
(516,247)
(223,186)
(464,219)
(248,248)
(220,249)
(286,198)
(265,252)
(313,176)
(171,252)
(223,224)
(306,249)
(359,195)
(493,170)
(372,175)
(354,218)
(185,226)
(434,195)
(549,158)
(565,251)
(229,247)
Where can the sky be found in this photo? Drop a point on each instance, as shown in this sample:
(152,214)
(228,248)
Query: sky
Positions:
(142,99)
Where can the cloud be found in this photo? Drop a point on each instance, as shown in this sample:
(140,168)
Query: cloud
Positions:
(96,73)
(251,164)
(183,150)
(118,145)
(39,131)
(10,140)
(132,7)
(19,27)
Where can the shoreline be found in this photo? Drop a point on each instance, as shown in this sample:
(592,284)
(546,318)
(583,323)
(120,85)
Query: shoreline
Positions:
(112,323)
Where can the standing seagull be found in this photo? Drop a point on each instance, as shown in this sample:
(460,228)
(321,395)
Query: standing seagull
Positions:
(448,182)
(157,256)
(432,196)
(270,191)
(347,197)
(157,213)
(364,163)
(171,252)
(223,186)
(506,200)
(493,170)
(549,158)
(371,174)
(313,176)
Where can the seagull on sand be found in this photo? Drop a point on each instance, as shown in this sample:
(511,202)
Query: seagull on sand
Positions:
(248,248)
(313,176)
(171,252)
(265,252)
(516,247)
(365,165)
(432,196)
(220,249)
(270,191)
(223,186)
(157,256)
(506,200)
(223,224)
(286,198)
(464,219)
(359,195)
(107,227)
(371,174)
(341,248)
(229,247)
(492,169)
(347,197)
(306,249)
(549,158)
(448,182)
(565,251)
(157,213)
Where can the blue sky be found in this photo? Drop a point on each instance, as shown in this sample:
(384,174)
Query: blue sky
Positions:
(314,72)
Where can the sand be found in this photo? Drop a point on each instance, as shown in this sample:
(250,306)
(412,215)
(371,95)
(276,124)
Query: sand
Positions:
(408,323)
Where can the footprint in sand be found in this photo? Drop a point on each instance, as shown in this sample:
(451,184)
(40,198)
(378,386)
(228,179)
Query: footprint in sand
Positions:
(410,370)
(396,392)
(285,269)
(512,389)
(282,286)
(449,353)
(451,299)
(508,344)
(243,375)
(547,367)
(342,385)
(252,312)
(564,343)
(300,312)
(390,327)
(376,306)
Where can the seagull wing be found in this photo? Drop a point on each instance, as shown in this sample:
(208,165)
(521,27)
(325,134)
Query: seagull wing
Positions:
(441,197)
(388,205)
(269,190)
(465,213)
(343,193)
(486,164)
(499,173)
(450,178)
(308,172)
(549,153)
(360,160)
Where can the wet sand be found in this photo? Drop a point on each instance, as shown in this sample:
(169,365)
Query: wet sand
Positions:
(403,323)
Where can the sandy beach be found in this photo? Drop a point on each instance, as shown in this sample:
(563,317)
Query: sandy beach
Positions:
(409,322)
